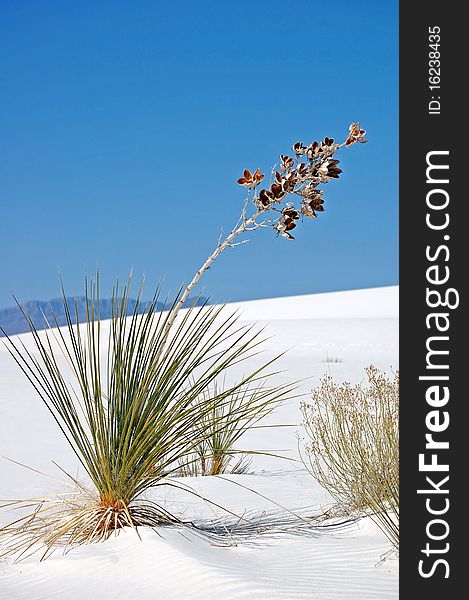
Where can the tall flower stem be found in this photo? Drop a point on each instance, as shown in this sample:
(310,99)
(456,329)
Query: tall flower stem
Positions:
(244,224)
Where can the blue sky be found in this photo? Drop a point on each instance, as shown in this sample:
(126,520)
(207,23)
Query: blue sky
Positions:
(124,126)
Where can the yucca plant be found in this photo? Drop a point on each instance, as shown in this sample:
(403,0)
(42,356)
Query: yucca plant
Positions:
(136,407)
(353,448)
(225,424)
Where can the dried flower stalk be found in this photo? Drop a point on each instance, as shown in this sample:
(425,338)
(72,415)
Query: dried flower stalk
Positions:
(299,177)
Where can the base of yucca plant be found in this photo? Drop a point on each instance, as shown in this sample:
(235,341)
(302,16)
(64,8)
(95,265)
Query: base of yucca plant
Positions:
(75,519)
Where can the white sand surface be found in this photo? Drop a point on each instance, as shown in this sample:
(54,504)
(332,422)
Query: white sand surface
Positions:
(338,333)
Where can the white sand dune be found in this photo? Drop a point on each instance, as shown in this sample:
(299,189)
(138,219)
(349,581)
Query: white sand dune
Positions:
(369,303)
(340,333)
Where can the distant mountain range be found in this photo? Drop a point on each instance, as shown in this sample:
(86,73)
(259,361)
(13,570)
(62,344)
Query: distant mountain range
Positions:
(12,320)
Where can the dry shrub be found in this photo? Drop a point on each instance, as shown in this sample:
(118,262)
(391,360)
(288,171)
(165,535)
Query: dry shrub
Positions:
(353,449)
